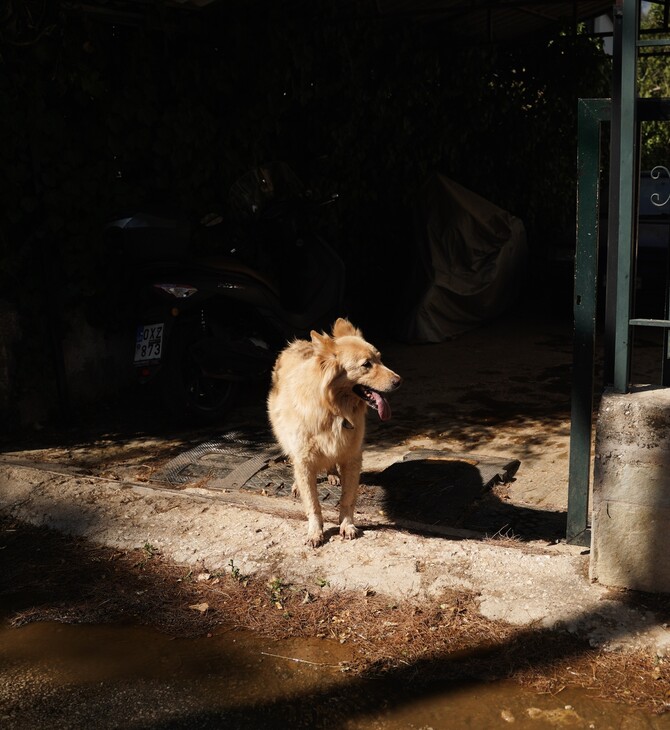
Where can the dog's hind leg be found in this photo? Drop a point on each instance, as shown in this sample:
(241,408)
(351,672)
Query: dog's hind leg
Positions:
(350,473)
(305,484)
(333,476)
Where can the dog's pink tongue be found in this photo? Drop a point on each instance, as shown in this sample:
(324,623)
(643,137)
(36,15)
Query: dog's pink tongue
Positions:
(383,406)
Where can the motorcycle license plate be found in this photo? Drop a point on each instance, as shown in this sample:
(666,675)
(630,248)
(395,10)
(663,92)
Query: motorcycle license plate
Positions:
(149,343)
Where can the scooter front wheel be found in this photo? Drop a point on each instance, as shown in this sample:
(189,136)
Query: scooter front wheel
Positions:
(186,392)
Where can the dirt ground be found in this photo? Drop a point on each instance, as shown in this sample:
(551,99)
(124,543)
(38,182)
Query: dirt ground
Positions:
(503,391)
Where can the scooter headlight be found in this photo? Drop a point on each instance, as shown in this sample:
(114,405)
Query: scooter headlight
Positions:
(178,291)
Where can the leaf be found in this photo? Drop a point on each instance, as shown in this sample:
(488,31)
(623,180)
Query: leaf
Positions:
(202,607)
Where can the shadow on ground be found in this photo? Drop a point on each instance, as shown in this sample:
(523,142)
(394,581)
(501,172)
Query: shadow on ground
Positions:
(460,493)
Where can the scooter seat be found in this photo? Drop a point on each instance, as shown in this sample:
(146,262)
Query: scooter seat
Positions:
(226,263)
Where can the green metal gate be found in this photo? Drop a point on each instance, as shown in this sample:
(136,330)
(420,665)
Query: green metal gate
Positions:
(624,111)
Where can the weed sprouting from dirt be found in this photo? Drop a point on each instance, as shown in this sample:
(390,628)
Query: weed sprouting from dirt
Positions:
(276,587)
(236,574)
(504,535)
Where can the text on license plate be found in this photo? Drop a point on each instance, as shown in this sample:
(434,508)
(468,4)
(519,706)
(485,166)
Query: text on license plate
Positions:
(149,342)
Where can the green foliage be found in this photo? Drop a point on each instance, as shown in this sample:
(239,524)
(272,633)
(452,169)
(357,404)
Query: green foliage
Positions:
(654,82)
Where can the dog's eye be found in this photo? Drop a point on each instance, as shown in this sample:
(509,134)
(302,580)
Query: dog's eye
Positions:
(367,364)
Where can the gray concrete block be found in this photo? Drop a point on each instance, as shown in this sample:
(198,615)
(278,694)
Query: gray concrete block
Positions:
(630,547)
(631,491)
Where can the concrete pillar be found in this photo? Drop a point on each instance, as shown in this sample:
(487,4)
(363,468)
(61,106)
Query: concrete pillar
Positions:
(630,546)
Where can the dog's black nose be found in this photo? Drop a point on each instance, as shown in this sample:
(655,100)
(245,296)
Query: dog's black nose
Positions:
(396,382)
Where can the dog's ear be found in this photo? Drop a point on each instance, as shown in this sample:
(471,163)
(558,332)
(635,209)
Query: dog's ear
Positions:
(344,327)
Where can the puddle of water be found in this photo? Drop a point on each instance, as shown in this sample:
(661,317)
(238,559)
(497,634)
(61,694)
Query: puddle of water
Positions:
(64,676)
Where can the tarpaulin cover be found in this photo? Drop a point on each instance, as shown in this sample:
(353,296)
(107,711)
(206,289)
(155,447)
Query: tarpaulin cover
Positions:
(469,260)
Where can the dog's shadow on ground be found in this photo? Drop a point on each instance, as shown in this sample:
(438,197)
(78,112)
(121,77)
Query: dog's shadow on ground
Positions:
(458,493)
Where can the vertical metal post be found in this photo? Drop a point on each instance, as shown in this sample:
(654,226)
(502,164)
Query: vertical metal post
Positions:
(590,112)
(613,212)
(665,363)
(624,122)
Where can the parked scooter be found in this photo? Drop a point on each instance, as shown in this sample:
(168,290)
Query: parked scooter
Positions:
(208,323)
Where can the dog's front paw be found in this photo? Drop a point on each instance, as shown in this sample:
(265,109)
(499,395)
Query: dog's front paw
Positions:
(315,539)
(349,531)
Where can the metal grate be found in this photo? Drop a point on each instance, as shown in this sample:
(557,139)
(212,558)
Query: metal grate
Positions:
(234,445)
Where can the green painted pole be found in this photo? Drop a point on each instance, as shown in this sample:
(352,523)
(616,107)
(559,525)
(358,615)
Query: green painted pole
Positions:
(590,112)
(624,116)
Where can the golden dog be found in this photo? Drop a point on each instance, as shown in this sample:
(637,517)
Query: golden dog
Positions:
(317,404)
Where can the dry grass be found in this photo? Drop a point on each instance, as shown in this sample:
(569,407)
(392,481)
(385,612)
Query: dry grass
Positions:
(50,577)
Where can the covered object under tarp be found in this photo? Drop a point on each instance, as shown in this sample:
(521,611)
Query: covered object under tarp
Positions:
(469,260)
